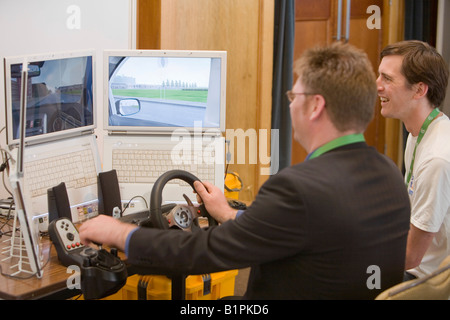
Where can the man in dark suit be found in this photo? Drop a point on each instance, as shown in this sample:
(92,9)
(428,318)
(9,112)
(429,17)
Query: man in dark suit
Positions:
(332,227)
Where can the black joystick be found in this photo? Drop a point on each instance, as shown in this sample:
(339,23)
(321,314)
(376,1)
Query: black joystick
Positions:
(102,272)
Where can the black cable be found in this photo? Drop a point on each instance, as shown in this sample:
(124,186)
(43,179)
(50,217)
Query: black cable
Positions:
(128,203)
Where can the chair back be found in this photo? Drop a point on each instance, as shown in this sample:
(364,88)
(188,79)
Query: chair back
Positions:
(435,286)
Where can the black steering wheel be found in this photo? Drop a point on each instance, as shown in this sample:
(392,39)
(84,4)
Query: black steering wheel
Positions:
(181,216)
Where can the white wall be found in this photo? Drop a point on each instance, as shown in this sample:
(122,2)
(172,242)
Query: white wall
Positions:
(41,26)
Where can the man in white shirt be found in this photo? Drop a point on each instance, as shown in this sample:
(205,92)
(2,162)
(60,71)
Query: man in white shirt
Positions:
(411,85)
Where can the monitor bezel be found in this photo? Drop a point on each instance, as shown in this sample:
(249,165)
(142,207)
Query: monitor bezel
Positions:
(164,53)
(8,61)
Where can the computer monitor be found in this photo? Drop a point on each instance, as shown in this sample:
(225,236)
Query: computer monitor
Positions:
(160,90)
(60,96)
(59,120)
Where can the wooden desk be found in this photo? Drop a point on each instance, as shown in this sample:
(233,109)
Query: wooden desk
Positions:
(52,282)
(52,285)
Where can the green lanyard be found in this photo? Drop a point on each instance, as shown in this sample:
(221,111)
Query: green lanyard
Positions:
(423,129)
(339,142)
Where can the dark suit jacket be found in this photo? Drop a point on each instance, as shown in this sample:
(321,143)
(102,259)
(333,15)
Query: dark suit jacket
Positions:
(333,227)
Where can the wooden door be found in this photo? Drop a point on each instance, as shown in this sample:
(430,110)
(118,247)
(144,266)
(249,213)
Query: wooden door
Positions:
(316,23)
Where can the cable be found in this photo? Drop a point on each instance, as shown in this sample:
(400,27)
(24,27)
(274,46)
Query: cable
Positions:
(7,218)
(128,203)
(228,157)
(5,154)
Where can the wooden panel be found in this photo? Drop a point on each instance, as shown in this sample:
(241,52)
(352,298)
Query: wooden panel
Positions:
(311,32)
(312,10)
(358,9)
(216,25)
(370,40)
(148,32)
(265,76)
(393,31)
(307,34)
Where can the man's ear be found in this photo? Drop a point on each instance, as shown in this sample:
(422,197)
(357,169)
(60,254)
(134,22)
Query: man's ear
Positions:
(420,90)
(318,106)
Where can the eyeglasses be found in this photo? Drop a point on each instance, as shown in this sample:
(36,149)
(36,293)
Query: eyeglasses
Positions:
(291,95)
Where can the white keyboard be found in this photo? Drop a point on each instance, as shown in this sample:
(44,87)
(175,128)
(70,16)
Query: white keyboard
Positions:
(76,170)
(146,166)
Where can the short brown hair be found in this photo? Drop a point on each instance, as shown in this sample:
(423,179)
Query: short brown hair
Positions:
(422,63)
(343,75)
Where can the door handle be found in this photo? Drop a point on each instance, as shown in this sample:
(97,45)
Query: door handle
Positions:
(347,21)
(339,21)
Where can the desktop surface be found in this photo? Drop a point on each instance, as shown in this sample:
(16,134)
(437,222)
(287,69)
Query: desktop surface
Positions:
(52,285)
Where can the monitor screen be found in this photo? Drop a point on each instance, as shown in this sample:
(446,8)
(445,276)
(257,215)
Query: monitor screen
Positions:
(60,95)
(154,90)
